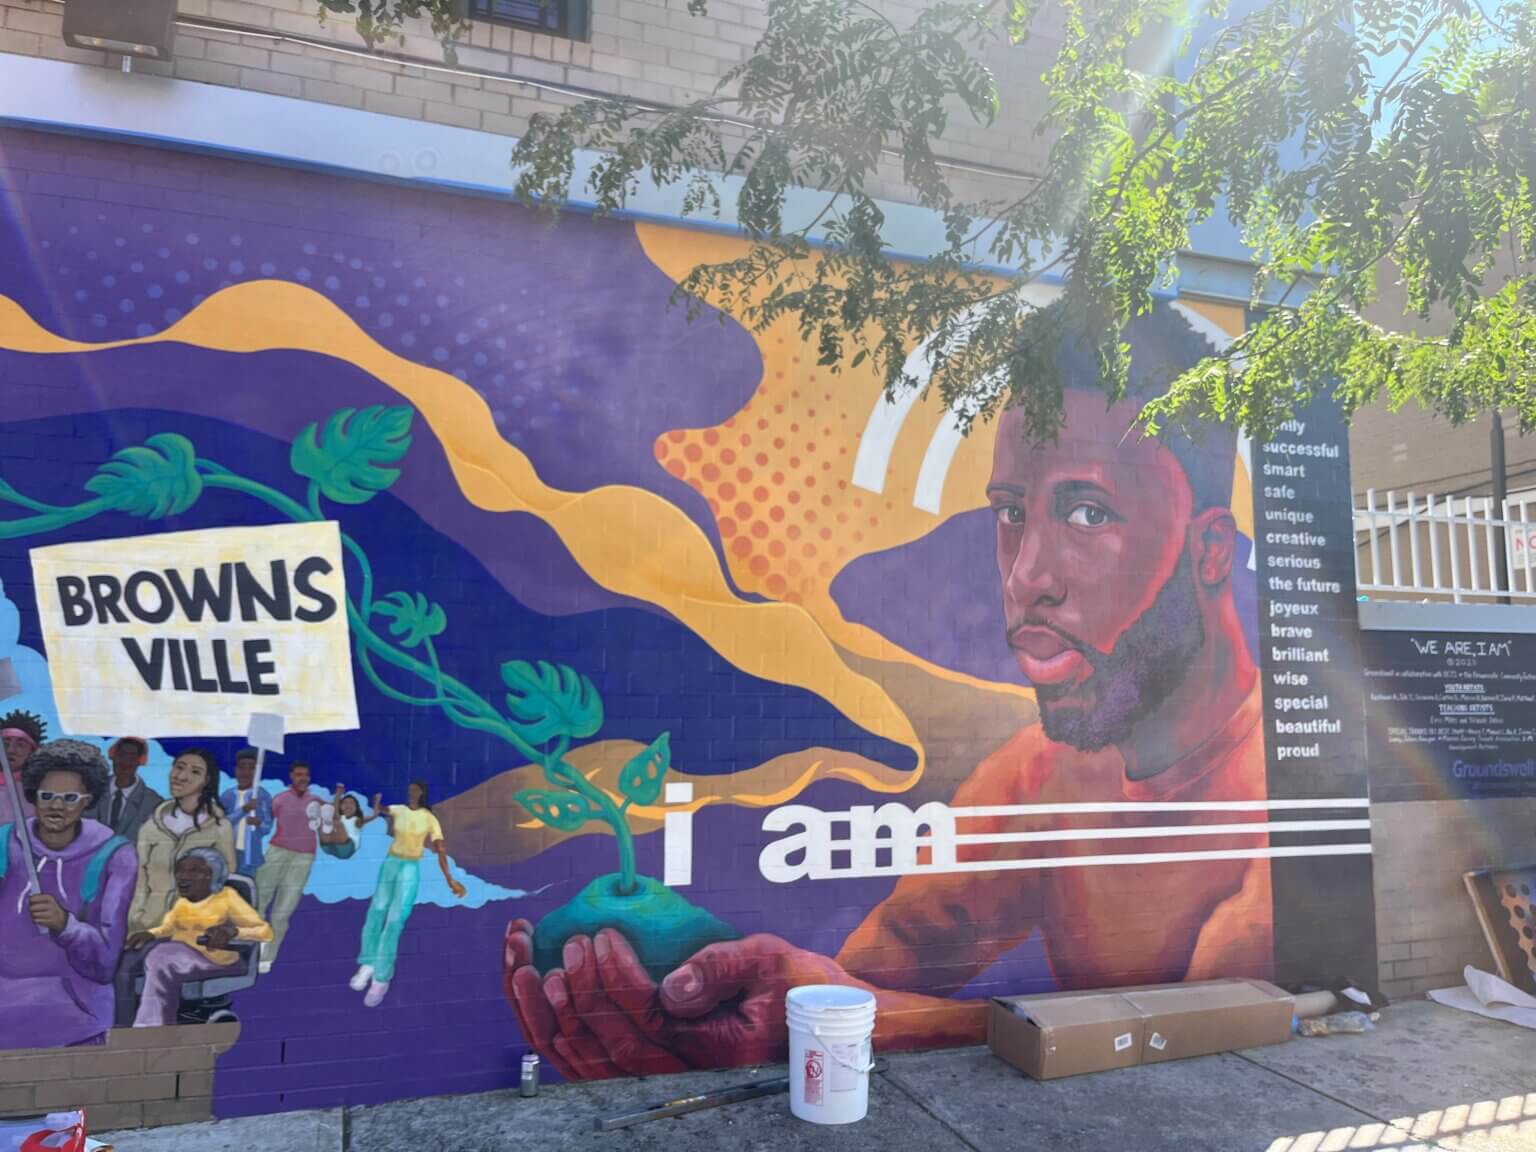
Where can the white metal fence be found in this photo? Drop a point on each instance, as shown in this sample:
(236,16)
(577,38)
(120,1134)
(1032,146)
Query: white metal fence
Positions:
(1446,548)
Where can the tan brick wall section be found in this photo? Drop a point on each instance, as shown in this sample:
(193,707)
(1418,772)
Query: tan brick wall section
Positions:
(1426,929)
(141,1077)
(654,51)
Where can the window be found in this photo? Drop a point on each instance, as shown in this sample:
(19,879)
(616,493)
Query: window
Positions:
(559,17)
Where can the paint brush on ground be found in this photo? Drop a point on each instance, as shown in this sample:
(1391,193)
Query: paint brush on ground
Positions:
(704,1100)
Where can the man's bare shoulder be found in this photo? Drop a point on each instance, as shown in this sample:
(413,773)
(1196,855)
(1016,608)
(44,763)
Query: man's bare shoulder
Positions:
(1013,773)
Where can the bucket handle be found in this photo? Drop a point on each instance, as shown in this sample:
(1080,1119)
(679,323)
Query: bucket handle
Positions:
(832,1052)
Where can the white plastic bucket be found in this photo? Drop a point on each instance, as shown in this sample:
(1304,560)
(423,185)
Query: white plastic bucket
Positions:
(830,1054)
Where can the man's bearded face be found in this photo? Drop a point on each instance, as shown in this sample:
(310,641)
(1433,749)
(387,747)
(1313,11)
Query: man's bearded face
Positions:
(1099,594)
(1134,678)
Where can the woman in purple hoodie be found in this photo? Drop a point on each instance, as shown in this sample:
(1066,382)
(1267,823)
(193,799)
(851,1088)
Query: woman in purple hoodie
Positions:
(61,946)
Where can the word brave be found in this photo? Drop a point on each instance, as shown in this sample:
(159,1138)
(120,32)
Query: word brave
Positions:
(187,666)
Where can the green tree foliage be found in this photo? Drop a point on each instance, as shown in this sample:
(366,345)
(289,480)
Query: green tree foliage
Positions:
(1350,142)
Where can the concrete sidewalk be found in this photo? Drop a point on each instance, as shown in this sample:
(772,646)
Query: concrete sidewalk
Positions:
(1428,1078)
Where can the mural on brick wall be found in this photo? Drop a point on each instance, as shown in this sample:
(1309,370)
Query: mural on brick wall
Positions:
(681,671)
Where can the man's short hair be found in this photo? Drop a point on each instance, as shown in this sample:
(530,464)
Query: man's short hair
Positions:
(296,765)
(246,754)
(85,760)
(1163,345)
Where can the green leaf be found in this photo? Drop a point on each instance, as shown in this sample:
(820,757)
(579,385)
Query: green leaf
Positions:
(412,619)
(349,459)
(564,811)
(154,479)
(551,701)
(640,779)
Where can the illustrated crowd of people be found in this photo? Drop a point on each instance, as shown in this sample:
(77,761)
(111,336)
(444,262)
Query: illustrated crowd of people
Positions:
(127,898)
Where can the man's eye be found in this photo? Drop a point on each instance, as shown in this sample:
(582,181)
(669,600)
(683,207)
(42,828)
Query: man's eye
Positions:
(1010,514)
(1089,516)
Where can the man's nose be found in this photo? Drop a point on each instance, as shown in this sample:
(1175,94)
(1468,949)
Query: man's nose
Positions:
(1034,577)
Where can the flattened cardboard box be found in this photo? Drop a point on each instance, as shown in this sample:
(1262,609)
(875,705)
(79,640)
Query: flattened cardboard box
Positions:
(1066,1034)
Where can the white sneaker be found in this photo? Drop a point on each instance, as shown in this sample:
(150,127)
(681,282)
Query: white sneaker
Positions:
(263,967)
(360,981)
(328,819)
(376,993)
(312,810)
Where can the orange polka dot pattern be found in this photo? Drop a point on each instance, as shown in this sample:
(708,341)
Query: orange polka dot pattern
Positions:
(777,476)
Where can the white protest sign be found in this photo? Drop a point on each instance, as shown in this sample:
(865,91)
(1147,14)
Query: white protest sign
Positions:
(265,731)
(189,633)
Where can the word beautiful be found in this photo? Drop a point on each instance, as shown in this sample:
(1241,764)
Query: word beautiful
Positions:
(226,594)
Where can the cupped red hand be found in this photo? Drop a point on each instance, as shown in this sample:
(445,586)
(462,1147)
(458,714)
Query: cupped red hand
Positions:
(524,988)
(597,1017)
(725,1004)
(602,1015)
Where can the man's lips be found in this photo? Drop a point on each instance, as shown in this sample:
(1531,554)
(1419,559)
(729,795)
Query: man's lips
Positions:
(1045,657)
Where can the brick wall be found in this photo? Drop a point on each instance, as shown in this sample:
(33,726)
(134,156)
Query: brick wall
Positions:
(140,1077)
(1426,928)
(567,344)
(651,51)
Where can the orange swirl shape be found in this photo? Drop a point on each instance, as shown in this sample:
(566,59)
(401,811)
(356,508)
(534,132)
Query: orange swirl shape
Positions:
(778,474)
(630,541)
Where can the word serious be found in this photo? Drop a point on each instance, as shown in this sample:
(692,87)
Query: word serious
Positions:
(198,629)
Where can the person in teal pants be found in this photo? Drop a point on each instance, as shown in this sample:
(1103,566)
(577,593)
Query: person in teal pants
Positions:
(415,831)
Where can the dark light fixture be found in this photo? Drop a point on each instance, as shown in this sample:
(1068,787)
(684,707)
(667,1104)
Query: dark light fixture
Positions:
(141,28)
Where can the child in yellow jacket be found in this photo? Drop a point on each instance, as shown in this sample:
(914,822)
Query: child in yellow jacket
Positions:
(191,941)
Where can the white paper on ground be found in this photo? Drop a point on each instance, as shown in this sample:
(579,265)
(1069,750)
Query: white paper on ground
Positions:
(1486,995)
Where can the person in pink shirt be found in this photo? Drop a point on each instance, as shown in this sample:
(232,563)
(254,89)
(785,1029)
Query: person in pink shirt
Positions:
(290,855)
(23,733)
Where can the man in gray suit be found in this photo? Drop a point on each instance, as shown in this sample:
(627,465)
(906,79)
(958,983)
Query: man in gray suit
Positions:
(129,802)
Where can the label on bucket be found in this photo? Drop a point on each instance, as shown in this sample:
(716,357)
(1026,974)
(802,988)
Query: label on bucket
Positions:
(815,1075)
(845,1058)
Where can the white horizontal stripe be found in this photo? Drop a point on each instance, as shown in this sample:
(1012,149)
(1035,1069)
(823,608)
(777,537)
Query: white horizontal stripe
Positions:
(1092,861)
(1159,806)
(1251,828)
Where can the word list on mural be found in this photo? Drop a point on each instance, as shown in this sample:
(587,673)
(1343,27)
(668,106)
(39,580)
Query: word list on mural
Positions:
(1313,728)
(1307,611)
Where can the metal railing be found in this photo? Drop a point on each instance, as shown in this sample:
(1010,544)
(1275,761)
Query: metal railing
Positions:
(1446,548)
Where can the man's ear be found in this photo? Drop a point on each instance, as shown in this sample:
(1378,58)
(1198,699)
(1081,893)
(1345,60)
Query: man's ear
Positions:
(1214,535)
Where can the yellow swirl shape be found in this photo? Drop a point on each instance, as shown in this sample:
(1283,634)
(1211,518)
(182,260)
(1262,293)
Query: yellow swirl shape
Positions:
(778,474)
(630,541)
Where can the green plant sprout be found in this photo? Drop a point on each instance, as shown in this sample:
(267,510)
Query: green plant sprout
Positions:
(348,461)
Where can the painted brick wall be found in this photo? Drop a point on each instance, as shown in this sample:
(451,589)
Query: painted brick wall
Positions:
(798,633)
(141,1077)
(651,51)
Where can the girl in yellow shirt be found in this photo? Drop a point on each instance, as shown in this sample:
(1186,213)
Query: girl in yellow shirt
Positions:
(415,830)
(191,942)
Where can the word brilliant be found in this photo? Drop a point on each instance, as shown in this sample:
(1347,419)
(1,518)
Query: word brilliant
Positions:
(199,600)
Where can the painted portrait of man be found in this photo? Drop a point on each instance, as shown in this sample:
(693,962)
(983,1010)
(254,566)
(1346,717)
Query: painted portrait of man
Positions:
(1116,555)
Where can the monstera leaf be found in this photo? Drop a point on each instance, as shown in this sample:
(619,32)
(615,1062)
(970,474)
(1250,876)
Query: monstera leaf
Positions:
(551,700)
(154,479)
(564,811)
(349,458)
(412,619)
(640,779)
